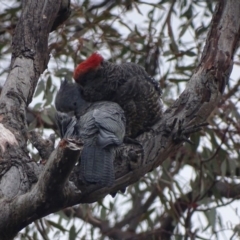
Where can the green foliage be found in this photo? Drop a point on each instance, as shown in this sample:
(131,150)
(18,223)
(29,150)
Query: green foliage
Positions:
(167,39)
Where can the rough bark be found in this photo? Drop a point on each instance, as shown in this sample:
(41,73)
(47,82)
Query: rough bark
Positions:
(29,59)
(21,201)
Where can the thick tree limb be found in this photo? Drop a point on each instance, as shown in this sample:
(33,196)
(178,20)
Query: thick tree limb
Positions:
(34,117)
(51,193)
(29,60)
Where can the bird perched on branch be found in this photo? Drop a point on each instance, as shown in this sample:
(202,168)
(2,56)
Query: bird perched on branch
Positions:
(127,84)
(100,125)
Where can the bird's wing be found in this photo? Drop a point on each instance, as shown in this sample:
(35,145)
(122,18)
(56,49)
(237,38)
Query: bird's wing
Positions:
(111,126)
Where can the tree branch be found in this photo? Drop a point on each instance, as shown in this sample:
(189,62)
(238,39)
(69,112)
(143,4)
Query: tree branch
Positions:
(52,192)
(59,167)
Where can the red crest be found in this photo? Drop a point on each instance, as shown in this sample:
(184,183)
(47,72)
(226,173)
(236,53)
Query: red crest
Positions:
(91,63)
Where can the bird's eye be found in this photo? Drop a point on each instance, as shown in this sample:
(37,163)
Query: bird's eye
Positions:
(75,104)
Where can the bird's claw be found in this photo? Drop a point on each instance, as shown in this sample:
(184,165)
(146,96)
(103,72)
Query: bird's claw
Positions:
(182,133)
(129,140)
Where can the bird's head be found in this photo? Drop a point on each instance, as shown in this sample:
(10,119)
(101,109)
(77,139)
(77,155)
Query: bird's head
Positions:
(69,100)
(91,77)
(88,68)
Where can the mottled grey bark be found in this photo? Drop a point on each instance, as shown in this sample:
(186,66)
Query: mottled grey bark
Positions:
(29,59)
(22,201)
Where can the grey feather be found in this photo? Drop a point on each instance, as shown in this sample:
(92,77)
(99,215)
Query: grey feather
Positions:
(66,125)
(100,125)
(97,165)
(102,128)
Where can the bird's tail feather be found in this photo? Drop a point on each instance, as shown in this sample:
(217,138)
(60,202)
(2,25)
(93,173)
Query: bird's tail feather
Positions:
(97,165)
